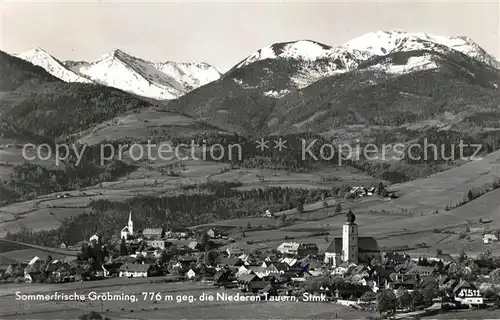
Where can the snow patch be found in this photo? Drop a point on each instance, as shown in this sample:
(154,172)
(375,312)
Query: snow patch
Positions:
(413,64)
(41,58)
(158,80)
(301,50)
(307,76)
(370,45)
(277,94)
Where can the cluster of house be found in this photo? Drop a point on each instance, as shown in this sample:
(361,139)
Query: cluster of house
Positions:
(38,269)
(489,238)
(360,191)
(128,232)
(358,261)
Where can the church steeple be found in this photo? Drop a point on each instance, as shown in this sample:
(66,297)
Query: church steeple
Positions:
(350,239)
(350,217)
(130,222)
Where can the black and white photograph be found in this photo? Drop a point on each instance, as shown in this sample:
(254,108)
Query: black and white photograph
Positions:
(249,160)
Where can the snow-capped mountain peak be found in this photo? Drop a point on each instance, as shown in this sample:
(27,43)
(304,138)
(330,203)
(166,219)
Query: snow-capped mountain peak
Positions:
(362,48)
(41,58)
(302,50)
(316,60)
(383,42)
(118,69)
(166,80)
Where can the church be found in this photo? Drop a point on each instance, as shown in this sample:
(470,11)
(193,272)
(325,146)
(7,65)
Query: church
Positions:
(128,231)
(350,248)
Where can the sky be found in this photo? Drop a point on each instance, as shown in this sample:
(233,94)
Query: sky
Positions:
(224,33)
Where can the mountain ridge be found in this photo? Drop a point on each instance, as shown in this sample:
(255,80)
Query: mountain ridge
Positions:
(158,80)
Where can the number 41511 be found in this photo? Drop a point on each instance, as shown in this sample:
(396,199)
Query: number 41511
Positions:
(469,293)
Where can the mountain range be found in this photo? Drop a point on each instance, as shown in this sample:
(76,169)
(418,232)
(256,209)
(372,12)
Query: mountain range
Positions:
(384,80)
(117,69)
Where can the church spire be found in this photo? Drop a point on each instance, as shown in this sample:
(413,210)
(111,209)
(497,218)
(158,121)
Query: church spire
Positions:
(130,222)
(350,217)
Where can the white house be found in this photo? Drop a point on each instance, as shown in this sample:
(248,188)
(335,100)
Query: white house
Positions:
(243,270)
(341,269)
(160,244)
(289,261)
(134,270)
(467,293)
(489,238)
(128,231)
(262,272)
(288,248)
(190,274)
(152,233)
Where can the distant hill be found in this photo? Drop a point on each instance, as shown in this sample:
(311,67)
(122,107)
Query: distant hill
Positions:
(454,91)
(16,72)
(388,79)
(446,189)
(49,107)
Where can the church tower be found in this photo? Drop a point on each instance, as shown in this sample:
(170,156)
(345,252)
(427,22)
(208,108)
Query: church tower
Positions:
(350,239)
(130,223)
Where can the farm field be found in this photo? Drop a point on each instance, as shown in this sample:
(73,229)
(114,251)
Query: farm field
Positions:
(47,211)
(398,222)
(445,188)
(467,314)
(141,124)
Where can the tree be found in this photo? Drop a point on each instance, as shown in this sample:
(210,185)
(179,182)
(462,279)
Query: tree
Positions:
(368,296)
(211,257)
(404,299)
(123,248)
(429,290)
(340,193)
(86,253)
(470,196)
(495,276)
(386,301)
(203,239)
(349,196)
(210,245)
(416,299)
(462,256)
(486,255)
(338,207)
(300,206)
(90,316)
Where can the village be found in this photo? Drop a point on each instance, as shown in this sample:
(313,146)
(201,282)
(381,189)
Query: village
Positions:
(353,271)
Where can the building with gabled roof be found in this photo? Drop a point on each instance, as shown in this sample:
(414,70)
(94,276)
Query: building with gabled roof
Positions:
(351,248)
(251,282)
(289,248)
(421,271)
(128,231)
(135,270)
(152,233)
(230,262)
(467,293)
(490,238)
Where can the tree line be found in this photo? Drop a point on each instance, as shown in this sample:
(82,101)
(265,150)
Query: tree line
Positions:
(184,210)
